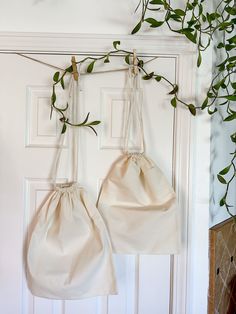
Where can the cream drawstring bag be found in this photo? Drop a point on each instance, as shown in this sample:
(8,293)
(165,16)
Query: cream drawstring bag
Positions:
(69,254)
(136,200)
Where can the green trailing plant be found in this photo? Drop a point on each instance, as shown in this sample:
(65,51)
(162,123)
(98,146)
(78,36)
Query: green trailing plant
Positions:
(58,78)
(199,24)
(203,27)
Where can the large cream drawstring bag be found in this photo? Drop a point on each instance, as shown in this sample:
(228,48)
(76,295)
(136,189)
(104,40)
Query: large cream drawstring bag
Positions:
(136,201)
(69,254)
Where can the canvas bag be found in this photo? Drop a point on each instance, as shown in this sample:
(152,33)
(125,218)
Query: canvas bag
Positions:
(136,200)
(69,254)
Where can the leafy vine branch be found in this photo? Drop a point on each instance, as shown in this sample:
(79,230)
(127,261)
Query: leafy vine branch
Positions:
(200,27)
(203,27)
(59,79)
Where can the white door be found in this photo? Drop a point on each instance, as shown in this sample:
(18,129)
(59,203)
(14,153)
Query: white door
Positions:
(147,284)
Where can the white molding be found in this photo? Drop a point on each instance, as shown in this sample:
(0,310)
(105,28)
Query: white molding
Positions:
(85,43)
(182,170)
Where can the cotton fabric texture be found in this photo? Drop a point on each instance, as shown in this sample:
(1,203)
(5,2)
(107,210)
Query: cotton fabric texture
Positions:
(139,207)
(136,200)
(69,253)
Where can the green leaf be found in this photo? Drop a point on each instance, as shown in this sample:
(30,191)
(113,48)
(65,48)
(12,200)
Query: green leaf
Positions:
(140,63)
(176,17)
(179,12)
(187,29)
(148,76)
(56,76)
(233,137)
(230,117)
(200,9)
(106,60)
(116,43)
(203,18)
(158,78)
(225,170)
(69,69)
(154,23)
(230,65)
(218,84)
(204,104)
(232,40)
(95,122)
(221,179)
(222,68)
(233,85)
(127,59)
(220,45)
(54,97)
(231,97)
(62,83)
(189,35)
(192,109)
(192,22)
(222,201)
(231,10)
(173,102)
(229,47)
(230,59)
(156,2)
(136,28)
(90,67)
(63,129)
(199,59)
(174,90)
(210,95)
(189,6)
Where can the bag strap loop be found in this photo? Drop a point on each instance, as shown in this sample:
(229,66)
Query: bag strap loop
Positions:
(73,101)
(134,112)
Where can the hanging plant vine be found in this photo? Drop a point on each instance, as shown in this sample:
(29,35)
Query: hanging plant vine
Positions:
(59,79)
(201,27)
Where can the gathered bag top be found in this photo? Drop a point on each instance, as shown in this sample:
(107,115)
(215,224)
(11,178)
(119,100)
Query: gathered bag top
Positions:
(136,200)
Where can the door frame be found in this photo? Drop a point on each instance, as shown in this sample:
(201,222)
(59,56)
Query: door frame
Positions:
(184,140)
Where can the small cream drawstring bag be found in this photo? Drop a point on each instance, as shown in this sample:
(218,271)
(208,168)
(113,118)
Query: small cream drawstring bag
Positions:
(136,201)
(69,254)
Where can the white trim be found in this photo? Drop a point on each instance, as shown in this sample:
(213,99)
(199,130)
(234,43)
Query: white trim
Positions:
(177,46)
(82,43)
(182,170)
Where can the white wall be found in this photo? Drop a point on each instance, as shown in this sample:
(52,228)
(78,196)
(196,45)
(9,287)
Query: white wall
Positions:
(71,16)
(68,16)
(221,147)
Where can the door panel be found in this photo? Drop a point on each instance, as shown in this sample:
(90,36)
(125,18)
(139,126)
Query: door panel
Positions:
(29,143)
